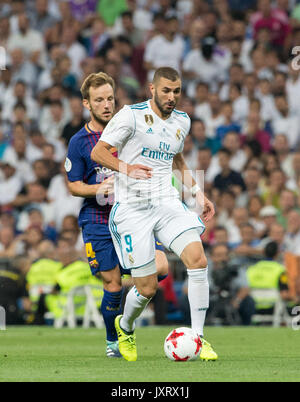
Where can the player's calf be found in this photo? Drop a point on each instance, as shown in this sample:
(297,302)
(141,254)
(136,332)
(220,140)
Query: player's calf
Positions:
(162,265)
(145,286)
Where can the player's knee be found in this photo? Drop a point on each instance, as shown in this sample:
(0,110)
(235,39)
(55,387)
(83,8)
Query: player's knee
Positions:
(111,284)
(148,291)
(112,287)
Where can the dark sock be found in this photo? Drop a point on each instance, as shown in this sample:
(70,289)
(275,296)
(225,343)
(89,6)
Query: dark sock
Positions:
(110,309)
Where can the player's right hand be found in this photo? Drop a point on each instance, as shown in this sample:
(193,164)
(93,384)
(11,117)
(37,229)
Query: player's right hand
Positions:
(107,186)
(139,172)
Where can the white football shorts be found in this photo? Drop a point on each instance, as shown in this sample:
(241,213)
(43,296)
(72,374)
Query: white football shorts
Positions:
(135,226)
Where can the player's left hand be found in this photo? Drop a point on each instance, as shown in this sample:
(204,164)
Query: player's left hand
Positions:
(208,207)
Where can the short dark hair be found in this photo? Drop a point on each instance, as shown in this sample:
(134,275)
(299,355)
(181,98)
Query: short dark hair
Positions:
(127,13)
(204,148)
(20,105)
(202,84)
(271,249)
(225,151)
(166,72)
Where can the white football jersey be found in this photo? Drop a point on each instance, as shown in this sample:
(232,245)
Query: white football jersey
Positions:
(142,137)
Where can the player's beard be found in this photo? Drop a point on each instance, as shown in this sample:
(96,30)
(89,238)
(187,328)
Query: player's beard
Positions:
(98,119)
(164,112)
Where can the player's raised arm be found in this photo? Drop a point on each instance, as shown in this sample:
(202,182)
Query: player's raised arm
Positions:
(188,180)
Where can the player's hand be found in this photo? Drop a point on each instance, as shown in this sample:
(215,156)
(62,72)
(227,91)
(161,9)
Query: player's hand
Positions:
(107,186)
(208,206)
(139,172)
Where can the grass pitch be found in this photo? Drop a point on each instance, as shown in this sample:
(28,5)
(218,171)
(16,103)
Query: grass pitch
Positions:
(34,354)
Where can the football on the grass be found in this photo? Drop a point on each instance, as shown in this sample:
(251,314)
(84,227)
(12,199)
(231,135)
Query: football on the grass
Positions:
(182,345)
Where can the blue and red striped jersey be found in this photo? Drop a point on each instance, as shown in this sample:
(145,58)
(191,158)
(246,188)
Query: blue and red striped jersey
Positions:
(80,167)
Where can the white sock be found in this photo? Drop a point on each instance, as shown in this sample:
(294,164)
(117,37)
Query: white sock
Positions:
(198,293)
(134,306)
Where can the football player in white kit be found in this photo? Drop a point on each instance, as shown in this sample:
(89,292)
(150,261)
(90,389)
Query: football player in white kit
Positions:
(150,137)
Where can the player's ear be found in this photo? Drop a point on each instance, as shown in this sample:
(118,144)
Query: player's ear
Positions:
(151,88)
(86,104)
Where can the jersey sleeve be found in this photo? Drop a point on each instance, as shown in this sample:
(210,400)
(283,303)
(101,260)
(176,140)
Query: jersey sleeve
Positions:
(74,164)
(186,126)
(120,128)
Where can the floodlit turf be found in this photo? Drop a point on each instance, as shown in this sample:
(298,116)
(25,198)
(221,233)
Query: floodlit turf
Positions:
(245,354)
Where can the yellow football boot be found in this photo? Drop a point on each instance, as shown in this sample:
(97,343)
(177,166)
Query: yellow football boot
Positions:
(127,344)
(207,352)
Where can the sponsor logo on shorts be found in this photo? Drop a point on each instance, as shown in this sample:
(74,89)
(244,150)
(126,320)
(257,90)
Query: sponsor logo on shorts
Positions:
(94,264)
(131,259)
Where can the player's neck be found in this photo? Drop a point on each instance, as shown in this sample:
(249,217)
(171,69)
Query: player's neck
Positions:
(95,126)
(157,111)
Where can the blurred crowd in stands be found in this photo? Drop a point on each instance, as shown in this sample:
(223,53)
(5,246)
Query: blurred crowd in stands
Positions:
(241,88)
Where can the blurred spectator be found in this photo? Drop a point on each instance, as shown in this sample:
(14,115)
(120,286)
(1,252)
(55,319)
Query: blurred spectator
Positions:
(36,197)
(252,179)
(73,273)
(68,79)
(19,93)
(287,202)
(164,49)
(274,20)
(53,126)
(205,164)
(99,40)
(29,40)
(7,242)
(41,18)
(292,237)
(77,121)
(190,153)
(229,291)
(128,29)
(17,155)
(269,217)
(13,296)
(214,118)
(268,274)
(281,147)
(204,65)
(276,185)
(277,235)
(286,123)
(247,251)
(42,273)
(42,172)
(255,204)
(73,49)
(11,184)
(228,178)
(253,130)
(229,125)
(237,218)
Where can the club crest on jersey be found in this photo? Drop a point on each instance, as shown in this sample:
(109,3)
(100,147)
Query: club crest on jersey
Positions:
(178,134)
(149,119)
